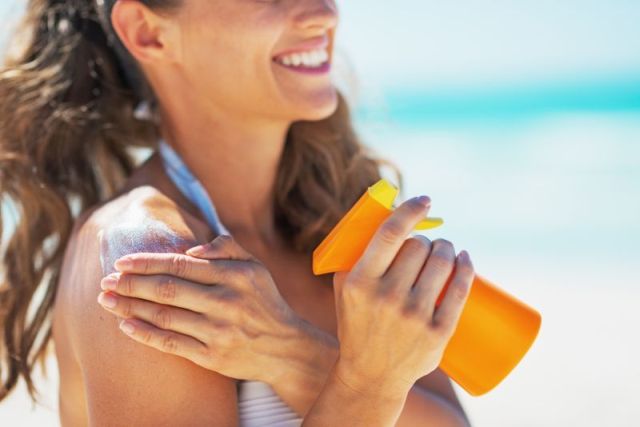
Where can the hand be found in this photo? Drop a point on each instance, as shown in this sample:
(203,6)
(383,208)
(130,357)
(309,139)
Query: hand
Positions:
(390,327)
(220,310)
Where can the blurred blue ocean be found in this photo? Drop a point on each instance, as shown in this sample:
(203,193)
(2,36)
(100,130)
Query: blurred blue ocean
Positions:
(521,121)
(552,169)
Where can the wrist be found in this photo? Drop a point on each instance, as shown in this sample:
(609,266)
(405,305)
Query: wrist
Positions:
(375,389)
(310,355)
(339,400)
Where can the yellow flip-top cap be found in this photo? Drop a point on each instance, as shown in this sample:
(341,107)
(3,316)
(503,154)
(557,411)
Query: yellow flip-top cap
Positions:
(385,193)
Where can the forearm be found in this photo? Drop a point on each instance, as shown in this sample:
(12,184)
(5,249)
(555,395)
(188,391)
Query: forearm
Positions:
(306,370)
(339,402)
(313,358)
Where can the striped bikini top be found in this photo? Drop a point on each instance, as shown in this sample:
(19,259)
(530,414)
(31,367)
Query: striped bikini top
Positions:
(258,404)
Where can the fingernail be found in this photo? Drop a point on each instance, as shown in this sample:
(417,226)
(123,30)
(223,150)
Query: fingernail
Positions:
(123,264)
(107,300)
(464,255)
(109,283)
(424,200)
(127,327)
(197,250)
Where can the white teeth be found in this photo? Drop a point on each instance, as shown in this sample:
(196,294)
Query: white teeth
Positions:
(314,58)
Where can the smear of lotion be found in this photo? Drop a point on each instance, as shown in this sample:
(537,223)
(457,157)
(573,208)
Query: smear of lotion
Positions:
(138,233)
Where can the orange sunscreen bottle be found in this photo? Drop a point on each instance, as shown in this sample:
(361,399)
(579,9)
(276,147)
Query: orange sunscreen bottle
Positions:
(495,329)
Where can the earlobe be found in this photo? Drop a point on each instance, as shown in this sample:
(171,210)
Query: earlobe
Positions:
(139,30)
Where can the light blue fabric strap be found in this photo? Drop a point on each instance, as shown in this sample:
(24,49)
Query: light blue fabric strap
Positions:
(190,186)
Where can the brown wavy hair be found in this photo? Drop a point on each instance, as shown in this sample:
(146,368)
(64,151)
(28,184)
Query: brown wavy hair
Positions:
(68,94)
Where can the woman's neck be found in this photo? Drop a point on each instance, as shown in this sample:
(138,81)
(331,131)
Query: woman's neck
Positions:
(237,163)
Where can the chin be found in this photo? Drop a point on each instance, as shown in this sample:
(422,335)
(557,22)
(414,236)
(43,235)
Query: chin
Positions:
(319,110)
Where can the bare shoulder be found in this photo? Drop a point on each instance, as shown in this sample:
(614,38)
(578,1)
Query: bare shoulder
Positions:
(142,219)
(126,383)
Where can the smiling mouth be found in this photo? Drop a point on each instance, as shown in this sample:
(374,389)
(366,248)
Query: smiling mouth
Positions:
(312,59)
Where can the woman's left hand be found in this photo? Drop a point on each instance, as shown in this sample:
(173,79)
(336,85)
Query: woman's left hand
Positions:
(217,306)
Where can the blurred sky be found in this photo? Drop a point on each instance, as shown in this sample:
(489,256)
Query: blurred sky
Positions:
(434,43)
(431,43)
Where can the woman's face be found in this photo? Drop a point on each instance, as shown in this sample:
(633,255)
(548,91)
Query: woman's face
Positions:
(231,56)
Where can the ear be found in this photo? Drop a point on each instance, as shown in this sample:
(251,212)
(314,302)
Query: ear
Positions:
(148,36)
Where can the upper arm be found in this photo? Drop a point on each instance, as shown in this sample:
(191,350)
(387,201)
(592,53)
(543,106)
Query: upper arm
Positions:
(127,383)
(437,382)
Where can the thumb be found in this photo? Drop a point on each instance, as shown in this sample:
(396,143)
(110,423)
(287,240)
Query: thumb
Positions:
(223,246)
(338,279)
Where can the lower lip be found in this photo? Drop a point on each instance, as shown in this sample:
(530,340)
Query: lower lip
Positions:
(323,69)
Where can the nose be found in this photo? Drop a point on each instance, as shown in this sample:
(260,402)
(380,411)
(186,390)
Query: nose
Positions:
(316,13)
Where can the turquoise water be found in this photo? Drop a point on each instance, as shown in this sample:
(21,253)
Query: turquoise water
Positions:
(503,105)
(551,173)
(538,164)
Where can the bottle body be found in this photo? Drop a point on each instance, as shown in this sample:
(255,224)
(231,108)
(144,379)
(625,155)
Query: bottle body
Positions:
(494,332)
(495,329)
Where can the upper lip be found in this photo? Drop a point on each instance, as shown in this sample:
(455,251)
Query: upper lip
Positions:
(312,44)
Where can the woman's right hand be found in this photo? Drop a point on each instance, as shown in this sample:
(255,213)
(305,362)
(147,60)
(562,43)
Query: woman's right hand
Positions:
(391,330)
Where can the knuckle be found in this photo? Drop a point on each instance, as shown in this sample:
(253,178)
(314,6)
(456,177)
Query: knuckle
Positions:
(424,240)
(166,289)
(353,291)
(127,308)
(356,278)
(141,262)
(391,231)
(179,265)
(225,337)
(162,318)
(441,327)
(446,328)
(227,304)
(146,336)
(247,272)
(415,207)
(411,310)
(460,289)
(169,343)
(440,261)
(465,269)
(392,297)
(126,284)
(416,243)
(211,298)
(205,352)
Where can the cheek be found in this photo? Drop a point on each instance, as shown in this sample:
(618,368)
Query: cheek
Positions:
(239,51)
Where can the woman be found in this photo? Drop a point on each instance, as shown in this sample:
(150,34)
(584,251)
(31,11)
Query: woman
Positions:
(180,334)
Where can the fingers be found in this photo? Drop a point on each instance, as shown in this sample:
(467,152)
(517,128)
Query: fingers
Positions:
(455,297)
(434,275)
(223,246)
(184,266)
(390,236)
(161,288)
(165,341)
(407,265)
(161,316)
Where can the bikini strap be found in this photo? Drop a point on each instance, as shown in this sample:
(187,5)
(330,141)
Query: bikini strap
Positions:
(190,186)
